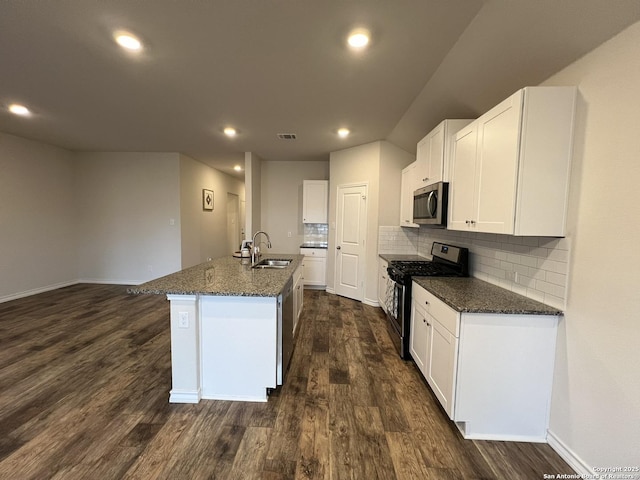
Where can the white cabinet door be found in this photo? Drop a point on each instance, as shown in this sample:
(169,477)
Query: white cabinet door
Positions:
(463,179)
(419,337)
(430,157)
(315,266)
(382,283)
(510,168)
(408,185)
(497,167)
(423,160)
(441,364)
(315,195)
(433,346)
(434,152)
(298,295)
(315,271)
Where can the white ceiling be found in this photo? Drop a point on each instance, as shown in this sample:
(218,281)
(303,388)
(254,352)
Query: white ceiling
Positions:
(277,66)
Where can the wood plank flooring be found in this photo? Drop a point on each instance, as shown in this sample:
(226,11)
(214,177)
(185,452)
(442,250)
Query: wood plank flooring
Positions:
(84,381)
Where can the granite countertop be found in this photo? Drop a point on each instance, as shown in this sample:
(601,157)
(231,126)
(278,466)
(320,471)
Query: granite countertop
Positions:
(224,276)
(471,295)
(390,257)
(314,245)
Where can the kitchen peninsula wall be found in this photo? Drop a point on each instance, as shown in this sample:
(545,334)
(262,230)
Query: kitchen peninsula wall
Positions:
(540,263)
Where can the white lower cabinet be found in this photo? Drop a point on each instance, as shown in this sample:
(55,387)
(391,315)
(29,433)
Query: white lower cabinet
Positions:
(419,337)
(298,295)
(315,266)
(492,373)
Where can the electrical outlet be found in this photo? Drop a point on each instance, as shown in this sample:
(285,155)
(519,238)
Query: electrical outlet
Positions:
(289,234)
(183,319)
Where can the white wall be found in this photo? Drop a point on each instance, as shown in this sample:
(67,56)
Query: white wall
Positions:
(350,166)
(37,217)
(282,200)
(204,232)
(125,204)
(379,165)
(595,410)
(392,161)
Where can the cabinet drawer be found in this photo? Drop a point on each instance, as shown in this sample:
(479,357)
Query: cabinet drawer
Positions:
(314,252)
(447,316)
(419,295)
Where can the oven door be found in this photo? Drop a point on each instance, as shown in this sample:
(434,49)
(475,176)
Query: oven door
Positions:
(395,313)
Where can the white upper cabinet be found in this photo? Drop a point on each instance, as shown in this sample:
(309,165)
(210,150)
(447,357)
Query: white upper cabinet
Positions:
(510,167)
(434,153)
(407,187)
(315,196)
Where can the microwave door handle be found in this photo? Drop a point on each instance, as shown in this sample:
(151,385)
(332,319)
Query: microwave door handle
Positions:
(432,205)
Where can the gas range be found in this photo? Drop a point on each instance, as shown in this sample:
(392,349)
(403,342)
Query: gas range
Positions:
(448,261)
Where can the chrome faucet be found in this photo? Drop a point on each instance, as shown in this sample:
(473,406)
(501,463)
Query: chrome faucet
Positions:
(255,249)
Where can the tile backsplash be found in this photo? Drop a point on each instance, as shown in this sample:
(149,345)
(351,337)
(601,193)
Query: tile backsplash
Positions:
(316,232)
(535,267)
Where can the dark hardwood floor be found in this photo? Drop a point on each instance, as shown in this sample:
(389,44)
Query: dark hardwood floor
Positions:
(84,381)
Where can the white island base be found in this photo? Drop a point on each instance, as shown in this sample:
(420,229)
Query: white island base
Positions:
(224,347)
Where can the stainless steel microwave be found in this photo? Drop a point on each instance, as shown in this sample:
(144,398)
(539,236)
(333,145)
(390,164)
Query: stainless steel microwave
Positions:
(430,205)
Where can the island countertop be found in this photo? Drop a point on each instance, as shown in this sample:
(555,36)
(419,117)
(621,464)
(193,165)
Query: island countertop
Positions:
(224,276)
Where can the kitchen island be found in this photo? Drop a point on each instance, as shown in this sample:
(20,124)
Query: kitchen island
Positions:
(226,327)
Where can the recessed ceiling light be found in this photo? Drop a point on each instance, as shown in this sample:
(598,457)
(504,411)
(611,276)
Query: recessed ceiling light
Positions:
(343,132)
(230,132)
(19,109)
(358,38)
(237,168)
(128,41)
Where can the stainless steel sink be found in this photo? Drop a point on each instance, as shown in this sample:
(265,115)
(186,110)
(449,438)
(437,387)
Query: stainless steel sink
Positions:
(273,263)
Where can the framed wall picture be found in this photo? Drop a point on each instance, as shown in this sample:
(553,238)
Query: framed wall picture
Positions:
(207,199)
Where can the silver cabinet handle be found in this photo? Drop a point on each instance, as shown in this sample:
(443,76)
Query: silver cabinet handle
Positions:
(338,247)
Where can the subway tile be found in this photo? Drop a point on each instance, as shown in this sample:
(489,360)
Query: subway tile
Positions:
(556,302)
(535,294)
(558,255)
(556,278)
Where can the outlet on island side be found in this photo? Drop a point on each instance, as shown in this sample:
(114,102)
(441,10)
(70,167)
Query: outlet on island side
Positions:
(183,319)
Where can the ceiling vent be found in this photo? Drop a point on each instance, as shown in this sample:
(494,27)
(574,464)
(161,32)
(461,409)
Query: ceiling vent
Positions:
(286,136)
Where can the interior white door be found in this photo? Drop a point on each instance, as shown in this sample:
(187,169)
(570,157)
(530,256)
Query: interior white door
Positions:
(351,229)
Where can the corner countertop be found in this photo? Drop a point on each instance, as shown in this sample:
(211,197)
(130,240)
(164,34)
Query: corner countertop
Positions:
(224,276)
(390,257)
(471,295)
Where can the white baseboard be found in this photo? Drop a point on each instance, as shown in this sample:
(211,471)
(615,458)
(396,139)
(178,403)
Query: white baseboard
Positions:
(331,291)
(55,286)
(184,396)
(373,303)
(102,281)
(568,455)
(35,291)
